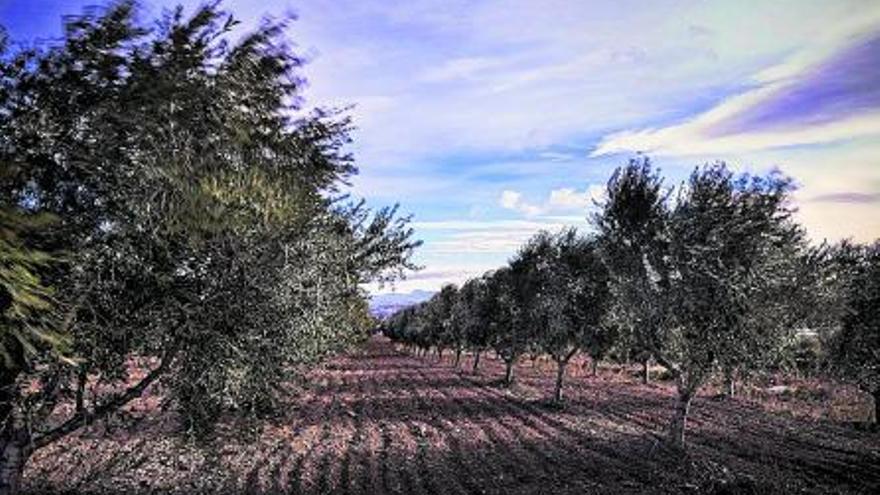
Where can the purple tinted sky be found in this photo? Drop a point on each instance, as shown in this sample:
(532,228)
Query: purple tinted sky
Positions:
(846,84)
(483,118)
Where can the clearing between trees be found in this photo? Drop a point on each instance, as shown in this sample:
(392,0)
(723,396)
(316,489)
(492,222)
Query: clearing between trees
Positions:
(384,421)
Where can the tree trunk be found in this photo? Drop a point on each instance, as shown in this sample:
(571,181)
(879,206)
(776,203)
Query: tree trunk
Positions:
(508,373)
(476,361)
(440,354)
(646,371)
(457,357)
(594,366)
(560,374)
(729,383)
(729,386)
(81,378)
(679,420)
(14,453)
(15,439)
(876,396)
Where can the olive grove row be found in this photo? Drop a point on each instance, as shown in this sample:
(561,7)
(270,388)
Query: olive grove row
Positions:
(714,278)
(171,220)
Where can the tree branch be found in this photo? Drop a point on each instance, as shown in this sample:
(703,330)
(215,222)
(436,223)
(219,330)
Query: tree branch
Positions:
(84,416)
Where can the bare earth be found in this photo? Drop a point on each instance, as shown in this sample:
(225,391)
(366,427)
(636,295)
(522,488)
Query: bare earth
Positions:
(382,421)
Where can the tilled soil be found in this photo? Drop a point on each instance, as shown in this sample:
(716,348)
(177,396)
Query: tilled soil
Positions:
(383,421)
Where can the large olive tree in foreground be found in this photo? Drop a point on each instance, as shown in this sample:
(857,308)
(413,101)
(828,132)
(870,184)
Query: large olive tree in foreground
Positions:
(711,280)
(193,217)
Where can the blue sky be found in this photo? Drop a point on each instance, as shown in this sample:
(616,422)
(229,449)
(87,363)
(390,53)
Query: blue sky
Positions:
(491,120)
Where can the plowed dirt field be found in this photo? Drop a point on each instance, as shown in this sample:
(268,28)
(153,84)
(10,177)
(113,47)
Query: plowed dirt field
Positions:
(383,421)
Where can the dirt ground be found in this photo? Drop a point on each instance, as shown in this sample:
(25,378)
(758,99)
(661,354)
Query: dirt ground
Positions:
(382,421)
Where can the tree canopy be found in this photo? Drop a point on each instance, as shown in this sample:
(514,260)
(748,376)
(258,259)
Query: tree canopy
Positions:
(196,205)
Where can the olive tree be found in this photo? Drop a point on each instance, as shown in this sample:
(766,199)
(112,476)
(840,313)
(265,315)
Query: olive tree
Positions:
(447,330)
(510,332)
(193,199)
(567,295)
(468,317)
(734,249)
(854,343)
(703,277)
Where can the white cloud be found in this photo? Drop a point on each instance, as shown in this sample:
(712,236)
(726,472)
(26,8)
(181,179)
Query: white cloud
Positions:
(547,222)
(435,276)
(567,198)
(509,199)
(559,200)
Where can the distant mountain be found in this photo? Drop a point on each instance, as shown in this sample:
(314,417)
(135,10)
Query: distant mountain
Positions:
(382,305)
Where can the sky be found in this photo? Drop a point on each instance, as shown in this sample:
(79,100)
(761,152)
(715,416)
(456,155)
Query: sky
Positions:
(488,121)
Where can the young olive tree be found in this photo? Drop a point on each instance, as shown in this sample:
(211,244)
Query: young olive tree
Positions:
(568,295)
(435,321)
(469,317)
(413,329)
(509,331)
(450,334)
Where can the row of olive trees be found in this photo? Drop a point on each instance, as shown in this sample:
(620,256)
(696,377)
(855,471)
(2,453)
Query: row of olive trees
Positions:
(713,278)
(551,300)
(166,199)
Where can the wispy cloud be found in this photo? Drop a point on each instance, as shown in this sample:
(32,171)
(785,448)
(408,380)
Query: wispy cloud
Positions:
(847,198)
(500,238)
(554,156)
(547,222)
(465,68)
(801,101)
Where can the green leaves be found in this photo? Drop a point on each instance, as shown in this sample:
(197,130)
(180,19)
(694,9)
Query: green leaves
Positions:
(27,321)
(854,343)
(193,194)
(714,279)
(567,293)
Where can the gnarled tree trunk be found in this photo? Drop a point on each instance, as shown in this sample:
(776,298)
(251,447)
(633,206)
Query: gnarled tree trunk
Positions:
(729,384)
(876,395)
(476,361)
(15,440)
(508,372)
(457,357)
(646,371)
(679,419)
(560,374)
(14,453)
